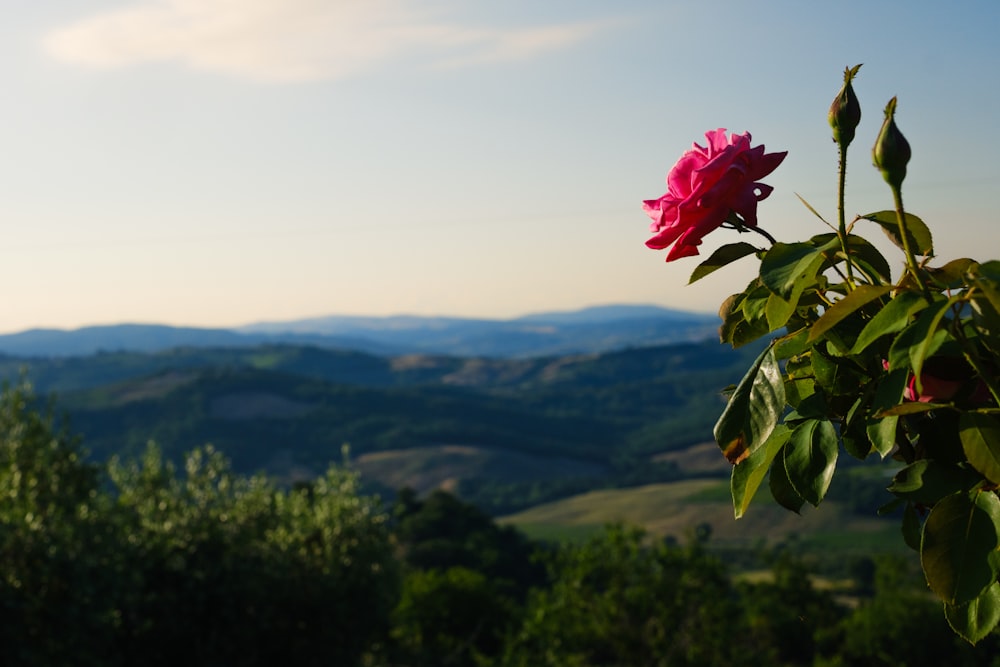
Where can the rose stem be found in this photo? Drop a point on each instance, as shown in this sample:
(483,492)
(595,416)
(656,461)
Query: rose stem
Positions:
(841,220)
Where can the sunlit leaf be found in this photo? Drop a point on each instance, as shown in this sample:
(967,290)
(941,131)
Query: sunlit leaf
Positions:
(753,410)
(951,274)
(811,458)
(788,267)
(861,296)
(919,235)
(893,318)
(778,311)
(720,258)
(755,304)
(959,538)
(748,474)
(980,435)
(975,619)
(792,344)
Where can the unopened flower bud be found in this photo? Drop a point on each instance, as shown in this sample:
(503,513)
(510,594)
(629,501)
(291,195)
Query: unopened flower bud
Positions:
(891,151)
(845,112)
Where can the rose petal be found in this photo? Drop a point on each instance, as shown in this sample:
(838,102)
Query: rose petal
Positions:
(704,185)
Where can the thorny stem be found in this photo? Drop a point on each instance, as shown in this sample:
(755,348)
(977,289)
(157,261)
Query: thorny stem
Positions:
(841,220)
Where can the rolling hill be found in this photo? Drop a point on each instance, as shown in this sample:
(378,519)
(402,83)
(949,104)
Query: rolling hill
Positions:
(504,433)
(590,330)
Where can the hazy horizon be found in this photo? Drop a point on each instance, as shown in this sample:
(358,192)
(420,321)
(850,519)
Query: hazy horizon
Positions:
(214,164)
(321,316)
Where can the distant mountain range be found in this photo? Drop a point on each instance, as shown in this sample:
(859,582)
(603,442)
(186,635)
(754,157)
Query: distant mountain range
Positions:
(590,330)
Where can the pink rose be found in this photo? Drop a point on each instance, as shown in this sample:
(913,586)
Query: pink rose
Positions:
(704,186)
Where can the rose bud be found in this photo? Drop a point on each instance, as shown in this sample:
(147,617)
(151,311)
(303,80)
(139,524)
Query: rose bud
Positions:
(845,112)
(891,151)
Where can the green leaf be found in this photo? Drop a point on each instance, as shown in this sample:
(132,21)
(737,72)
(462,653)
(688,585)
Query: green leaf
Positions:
(990,270)
(838,376)
(891,319)
(932,339)
(888,393)
(911,527)
(735,328)
(950,276)
(985,316)
(989,287)
(720,258)
(868,257)
(959,538)
(787,268)
(854,433)
(882,434)
(861,296)
(755,305)
(748,474)
(926,481)
(912,408)
(980,436)
(778,311)
(919,340)
(919,235)
(975,619)
(781,489)
(890,507)
(811,458)
(792,344)
(753,410)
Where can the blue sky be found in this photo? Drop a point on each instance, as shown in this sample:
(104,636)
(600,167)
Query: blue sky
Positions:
(218,162)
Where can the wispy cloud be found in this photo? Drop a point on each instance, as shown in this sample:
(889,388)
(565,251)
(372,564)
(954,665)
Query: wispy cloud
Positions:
(296,40)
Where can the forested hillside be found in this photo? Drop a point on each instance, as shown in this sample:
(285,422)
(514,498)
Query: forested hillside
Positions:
(504,434)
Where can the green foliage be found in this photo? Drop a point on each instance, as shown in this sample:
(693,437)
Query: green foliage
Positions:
(199,567)
(442,532)
(616,601)
(880,632)
(907,368)
(788,616)
(54,536)
(454,616)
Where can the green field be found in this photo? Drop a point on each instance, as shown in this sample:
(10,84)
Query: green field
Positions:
(675,509)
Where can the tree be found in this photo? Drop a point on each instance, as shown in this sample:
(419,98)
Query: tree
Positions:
(55,541)
(229,570)
(617,601)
